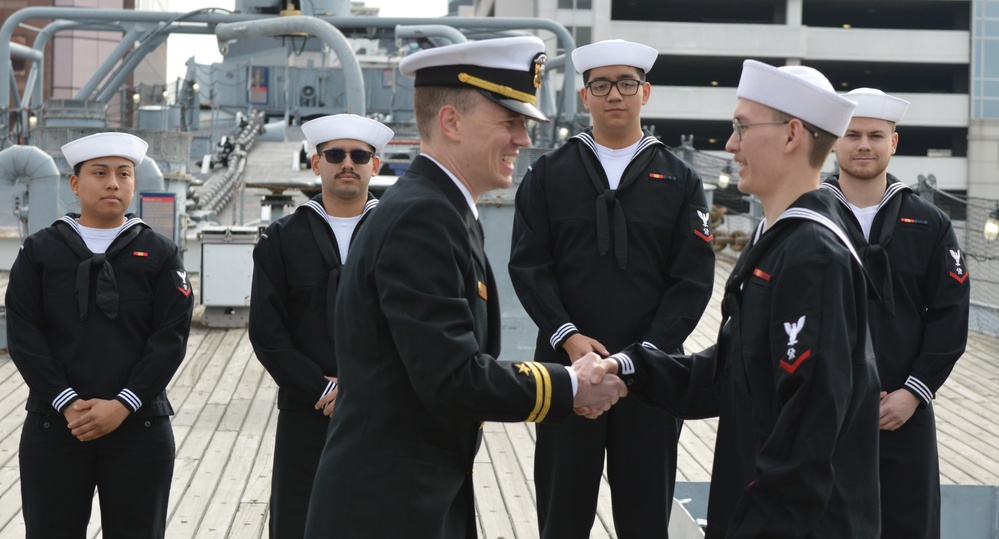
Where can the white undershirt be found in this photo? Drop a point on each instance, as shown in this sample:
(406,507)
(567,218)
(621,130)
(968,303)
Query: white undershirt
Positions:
(98,239)
(615,161)
(343,229)
(866,217)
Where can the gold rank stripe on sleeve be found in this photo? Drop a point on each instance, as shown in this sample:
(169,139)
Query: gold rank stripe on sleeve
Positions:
(543,386)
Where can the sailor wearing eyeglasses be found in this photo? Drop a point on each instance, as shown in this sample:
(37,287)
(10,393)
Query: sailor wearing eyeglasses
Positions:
(296,269)
(637,269)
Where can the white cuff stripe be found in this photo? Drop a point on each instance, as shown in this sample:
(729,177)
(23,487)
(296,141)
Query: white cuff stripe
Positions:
(561,332)
(131,398)
(329,388)
(67,396)
(625,365)
(920,388)
(651,346)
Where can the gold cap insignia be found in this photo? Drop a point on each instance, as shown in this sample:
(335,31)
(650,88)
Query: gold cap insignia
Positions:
(539,69)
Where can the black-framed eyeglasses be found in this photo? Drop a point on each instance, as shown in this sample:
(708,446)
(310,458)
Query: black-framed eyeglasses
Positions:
(337,155)
(738,127)
(626,87)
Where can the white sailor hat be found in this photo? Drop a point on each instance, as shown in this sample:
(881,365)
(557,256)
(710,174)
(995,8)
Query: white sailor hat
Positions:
(613,52)
(872,103)
(800,91)
(347,126)
(90,147)
(507,70)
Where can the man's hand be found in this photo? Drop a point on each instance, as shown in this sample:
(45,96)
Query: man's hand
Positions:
(579,345)
(896,408)
(72,413)
(100,417)
(327,402)
(598,390)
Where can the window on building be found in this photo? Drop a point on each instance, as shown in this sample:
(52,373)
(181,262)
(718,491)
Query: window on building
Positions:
(575,4)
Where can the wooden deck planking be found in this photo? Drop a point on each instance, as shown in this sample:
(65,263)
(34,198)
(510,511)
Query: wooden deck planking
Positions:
(226,420)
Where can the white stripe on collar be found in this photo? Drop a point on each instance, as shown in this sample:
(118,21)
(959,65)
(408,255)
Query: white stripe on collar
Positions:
(645,142)
(318,207)
(129,223)
(892,190)
(811,215)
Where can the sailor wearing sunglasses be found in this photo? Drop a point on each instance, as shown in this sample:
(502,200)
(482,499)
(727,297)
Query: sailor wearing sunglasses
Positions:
(296,269)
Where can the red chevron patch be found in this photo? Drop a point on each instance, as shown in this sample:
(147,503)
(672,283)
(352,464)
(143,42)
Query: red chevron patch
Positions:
(960,279)
(702,236)
(791,367)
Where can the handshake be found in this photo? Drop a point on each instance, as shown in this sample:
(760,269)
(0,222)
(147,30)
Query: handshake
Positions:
(599,387)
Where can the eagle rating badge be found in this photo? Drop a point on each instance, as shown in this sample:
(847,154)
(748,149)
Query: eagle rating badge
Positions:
(959,274)
(793,359)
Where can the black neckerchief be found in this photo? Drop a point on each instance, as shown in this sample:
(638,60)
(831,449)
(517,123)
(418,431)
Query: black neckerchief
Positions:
(106,296)
(325,239)
(606,200)
(875,254)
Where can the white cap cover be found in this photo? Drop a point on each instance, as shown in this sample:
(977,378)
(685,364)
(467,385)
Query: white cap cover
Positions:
(613,52)
(872,103)
(347,126)
(97,145)
(800,91)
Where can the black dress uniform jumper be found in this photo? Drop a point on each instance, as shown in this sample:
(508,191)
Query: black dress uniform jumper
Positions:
(109,326)
(919,330)
(417,333)
(296,268)
(791,381)
(637,269)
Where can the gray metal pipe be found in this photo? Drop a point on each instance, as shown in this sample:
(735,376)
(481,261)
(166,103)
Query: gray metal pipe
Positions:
(38,167)
(430,30)
(563,36)
(95,16)
(13,89)
(120,50)
(128,66)
(330,35)
(33,87)
(148,179)
(23,51)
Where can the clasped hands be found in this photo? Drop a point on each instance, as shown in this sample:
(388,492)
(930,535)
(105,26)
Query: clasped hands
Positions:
(599,387)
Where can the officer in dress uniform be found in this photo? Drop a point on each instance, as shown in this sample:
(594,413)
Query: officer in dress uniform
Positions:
(297,264)
(920,326)
(790,379)
(98,313)
(417,324)
(638,270)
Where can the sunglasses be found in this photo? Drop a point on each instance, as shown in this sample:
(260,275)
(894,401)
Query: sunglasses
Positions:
(337,155)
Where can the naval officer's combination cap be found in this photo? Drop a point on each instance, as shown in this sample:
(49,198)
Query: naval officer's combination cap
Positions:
(508,71)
